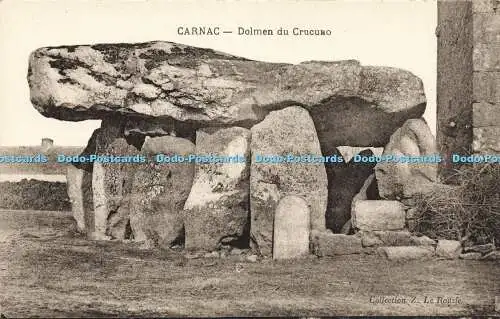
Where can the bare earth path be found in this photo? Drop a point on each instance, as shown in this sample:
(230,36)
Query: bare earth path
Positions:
(46,271)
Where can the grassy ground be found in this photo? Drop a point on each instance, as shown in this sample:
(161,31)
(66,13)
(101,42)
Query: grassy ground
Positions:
(46,271)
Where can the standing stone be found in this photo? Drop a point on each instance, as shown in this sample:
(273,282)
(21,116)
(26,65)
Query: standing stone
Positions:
(112,182)
(101,212)
(286,132)
(159,191)
(216,211)
(291,228)
(88,202)
(344,182)
(79,176)
(119,186)
(74,181)
(404,179)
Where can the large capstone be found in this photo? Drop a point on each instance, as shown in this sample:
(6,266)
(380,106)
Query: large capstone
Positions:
(350,104)
(217,209)
(159,191)
(282,133)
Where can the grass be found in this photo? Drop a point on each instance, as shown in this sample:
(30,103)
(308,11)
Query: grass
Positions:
(34,195)
(47,271)
(470,212)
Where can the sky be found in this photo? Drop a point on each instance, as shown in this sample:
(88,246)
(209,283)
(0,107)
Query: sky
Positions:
(389,33)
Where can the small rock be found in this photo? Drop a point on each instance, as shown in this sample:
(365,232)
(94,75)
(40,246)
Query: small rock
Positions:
(422,241)
(378,215)
(450,249)
(326,243)
(369,239)
(404,253)
(252,258)
(394,238)
(483,249)
(470,256)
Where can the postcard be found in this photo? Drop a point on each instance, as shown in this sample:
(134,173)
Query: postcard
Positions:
(249,158)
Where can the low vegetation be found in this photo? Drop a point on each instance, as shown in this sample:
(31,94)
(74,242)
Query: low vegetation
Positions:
(471,212)
(34,195)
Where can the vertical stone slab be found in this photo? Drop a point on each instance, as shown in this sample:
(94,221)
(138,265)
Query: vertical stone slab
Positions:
(101,211)
(79,176)
(118,187)
(291,228)
(216,211)
(112,181)
(289,131)
(159,191)
(88,202)
(74,182)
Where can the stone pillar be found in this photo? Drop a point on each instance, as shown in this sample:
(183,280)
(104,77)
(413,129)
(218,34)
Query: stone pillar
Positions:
(74,181)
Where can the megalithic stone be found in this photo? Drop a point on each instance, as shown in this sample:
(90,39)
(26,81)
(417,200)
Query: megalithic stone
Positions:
(159,191)
(350,104)
(405,179)
(101,210)
(217,209)
(74,182)
(286,132)
(112,181)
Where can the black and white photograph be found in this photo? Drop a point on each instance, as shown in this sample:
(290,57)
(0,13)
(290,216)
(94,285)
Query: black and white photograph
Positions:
(273,158)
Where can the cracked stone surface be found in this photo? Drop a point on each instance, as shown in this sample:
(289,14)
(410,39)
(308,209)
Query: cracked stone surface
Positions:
(217,209)
(203,87)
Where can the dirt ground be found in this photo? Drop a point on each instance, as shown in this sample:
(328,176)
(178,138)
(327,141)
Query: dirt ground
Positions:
(46,271)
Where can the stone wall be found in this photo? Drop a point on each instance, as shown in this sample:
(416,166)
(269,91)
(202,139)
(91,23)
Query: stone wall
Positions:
(486,76)
(468,99)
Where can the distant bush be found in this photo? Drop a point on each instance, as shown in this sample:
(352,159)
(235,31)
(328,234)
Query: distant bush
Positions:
(471,212)
(34,195)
